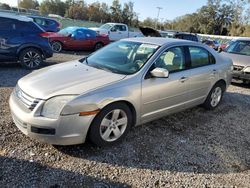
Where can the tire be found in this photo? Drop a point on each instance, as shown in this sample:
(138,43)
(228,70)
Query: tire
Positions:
(56,46)
(98,46)
(31,58)
(215,96)
(105,129)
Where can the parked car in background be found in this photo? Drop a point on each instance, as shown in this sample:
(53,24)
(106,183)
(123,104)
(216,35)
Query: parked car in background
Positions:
(48,24)
(150,32)
(116,31)
(211,43)
(77,38)
(127,83)
(22,40)
(239,52)
(224,45)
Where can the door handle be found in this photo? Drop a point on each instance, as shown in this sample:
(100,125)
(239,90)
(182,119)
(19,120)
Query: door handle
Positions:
(214,71)
(183,79)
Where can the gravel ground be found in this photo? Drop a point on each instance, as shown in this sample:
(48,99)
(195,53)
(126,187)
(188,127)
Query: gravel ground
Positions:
(194,148)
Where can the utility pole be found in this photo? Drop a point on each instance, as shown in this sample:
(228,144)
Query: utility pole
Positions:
(18,6)
(159,9)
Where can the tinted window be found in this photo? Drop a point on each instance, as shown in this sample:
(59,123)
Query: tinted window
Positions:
(28,27)
(173,60)
(239,47)
(200,57)
(7,24)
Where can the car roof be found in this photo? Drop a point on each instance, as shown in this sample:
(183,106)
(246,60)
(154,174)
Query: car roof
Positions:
(34,16)
(159,41)
(16,17)
(76,27)
(242,39)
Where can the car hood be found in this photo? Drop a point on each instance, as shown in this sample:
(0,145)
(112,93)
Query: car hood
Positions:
(149,32)
(66,79)
(240,60)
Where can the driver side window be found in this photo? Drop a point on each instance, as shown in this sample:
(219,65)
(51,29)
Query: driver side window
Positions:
(173,60)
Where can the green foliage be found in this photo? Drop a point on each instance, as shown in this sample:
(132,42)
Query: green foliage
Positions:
(218,17)
(4,6)
(53,7)
(29,4)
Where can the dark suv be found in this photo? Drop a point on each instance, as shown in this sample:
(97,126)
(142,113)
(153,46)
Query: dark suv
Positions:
(48,24)
(148,31)
(23,40)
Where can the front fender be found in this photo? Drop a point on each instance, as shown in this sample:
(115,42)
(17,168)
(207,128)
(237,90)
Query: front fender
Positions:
(99,99)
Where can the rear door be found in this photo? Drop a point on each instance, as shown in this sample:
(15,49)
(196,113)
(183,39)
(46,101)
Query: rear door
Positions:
(202,74)
(8,42)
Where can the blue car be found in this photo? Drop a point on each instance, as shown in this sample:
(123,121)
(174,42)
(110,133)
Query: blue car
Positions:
(48,24)
(23,40)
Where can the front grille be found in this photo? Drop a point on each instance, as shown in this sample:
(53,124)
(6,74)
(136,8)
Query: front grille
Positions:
(238,68)
(25,99)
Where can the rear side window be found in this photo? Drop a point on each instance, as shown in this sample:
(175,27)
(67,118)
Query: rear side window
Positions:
(7,24)
(200,57)
(28,27)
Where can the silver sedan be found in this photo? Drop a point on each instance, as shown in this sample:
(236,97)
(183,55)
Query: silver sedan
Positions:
(127,83)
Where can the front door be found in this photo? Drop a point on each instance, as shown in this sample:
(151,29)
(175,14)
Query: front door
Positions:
(161,96)
(118,32)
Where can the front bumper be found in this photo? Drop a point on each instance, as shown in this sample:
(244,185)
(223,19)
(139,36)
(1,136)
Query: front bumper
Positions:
(66,130)
(241,75)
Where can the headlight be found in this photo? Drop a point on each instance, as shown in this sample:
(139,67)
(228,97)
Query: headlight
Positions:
(53,107)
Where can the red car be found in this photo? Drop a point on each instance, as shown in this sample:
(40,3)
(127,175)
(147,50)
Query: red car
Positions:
(77,38)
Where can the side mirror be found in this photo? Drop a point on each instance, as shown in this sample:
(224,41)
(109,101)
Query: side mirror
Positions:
(160,73)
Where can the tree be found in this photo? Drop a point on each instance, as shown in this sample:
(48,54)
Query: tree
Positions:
(116,12)
(4,6)
(78,11)
(29,4)
(53,7)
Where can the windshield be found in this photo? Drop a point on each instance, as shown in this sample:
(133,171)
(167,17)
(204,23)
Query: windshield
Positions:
(239,47)
(106,26)
(122,57)
(67,31)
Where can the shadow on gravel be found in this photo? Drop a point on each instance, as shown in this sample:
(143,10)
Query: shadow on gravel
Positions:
(241,85)
(22,173)
(11,72)
(195,141)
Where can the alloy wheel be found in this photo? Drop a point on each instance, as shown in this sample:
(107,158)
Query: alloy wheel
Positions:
(216,96)
(32,59)
(113,125)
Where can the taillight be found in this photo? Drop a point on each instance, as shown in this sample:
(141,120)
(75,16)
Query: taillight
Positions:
(44,34)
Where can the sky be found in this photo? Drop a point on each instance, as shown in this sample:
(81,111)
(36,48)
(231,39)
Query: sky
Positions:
(147,8)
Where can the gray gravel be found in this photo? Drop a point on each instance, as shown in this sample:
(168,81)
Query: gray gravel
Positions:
(194,148)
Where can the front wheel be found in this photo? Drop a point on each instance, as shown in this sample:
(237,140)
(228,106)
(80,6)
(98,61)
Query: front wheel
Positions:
(111,125)
(214,97)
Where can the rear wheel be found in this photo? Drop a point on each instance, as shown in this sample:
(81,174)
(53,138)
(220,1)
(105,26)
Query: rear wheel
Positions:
(56,46)
(111,125)
(214,97)
(31,58)
(98,46)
